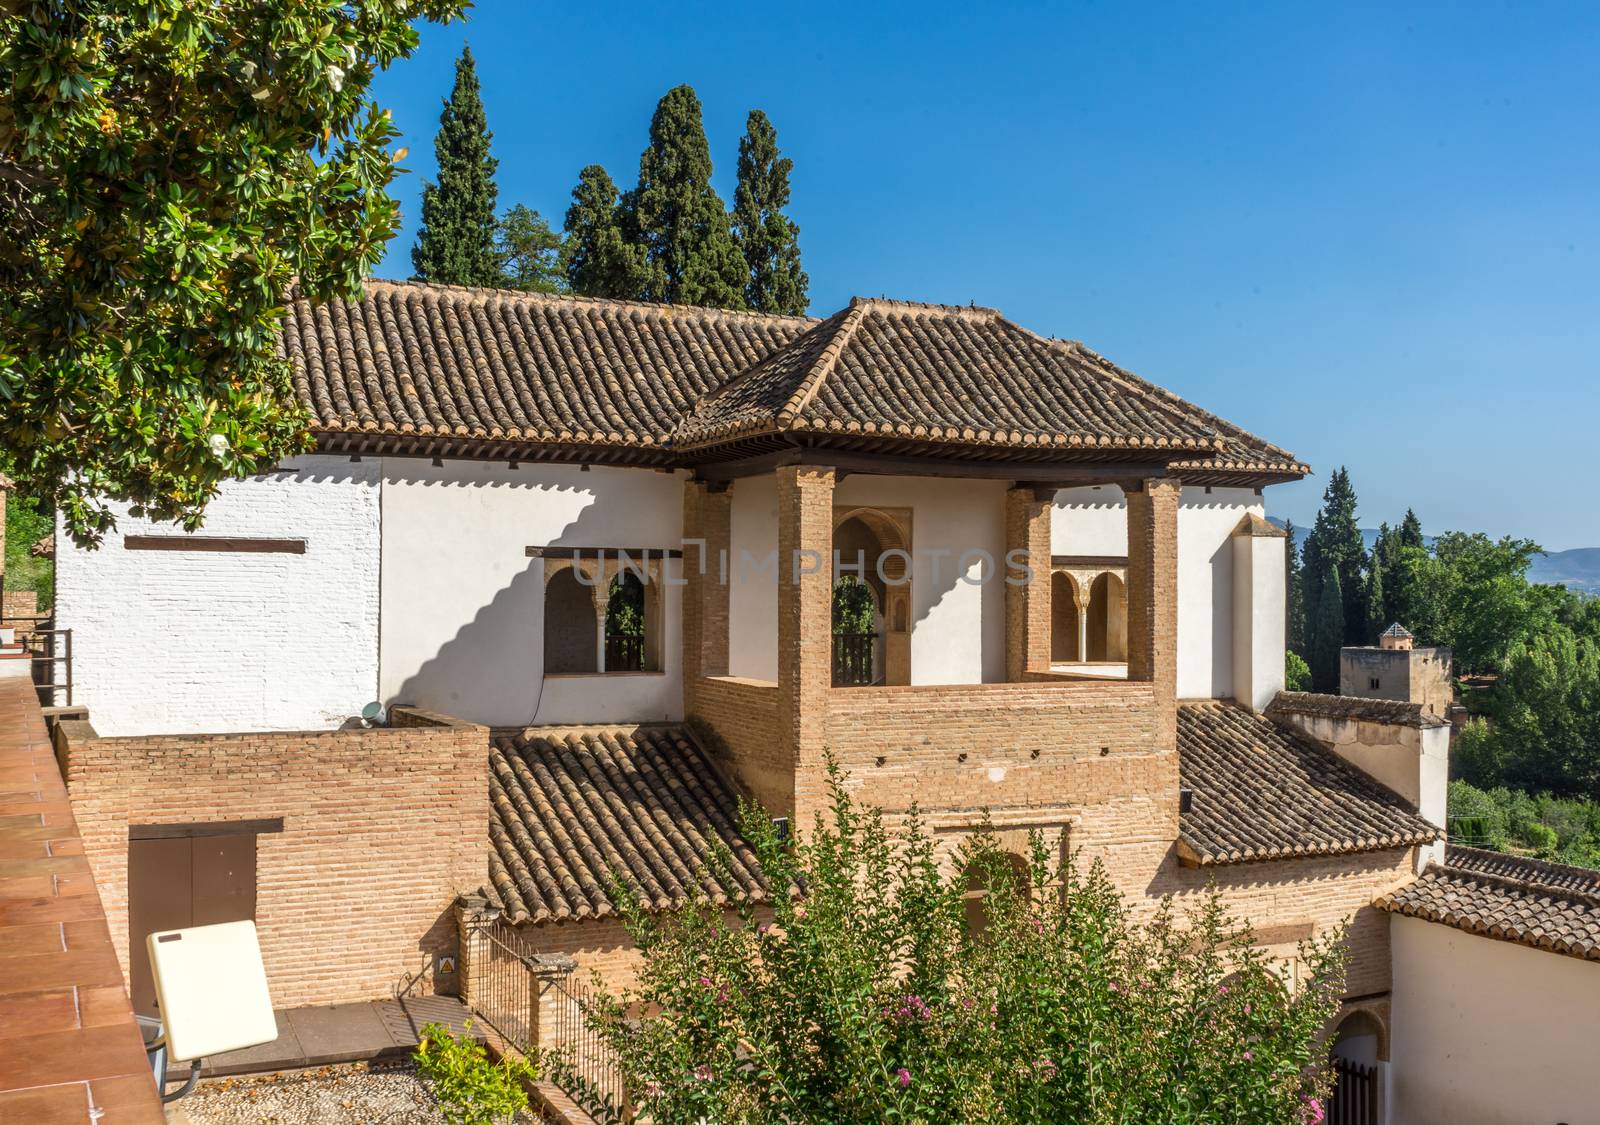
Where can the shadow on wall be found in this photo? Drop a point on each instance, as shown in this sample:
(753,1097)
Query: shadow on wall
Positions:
(491,670)
(1221,566)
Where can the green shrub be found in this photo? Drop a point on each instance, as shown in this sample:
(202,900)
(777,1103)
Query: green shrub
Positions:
(1296,672)
(886,992)
(471,1089)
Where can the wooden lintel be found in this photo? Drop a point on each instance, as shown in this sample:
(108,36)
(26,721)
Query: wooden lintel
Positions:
(1030,474)
(634,554)
(236,544)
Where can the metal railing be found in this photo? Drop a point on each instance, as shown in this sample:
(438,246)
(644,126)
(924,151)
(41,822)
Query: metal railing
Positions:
(1355,1094)
(590,1059)
(504,987)
(624,652)
(536,1005)
(852,658)
(51,652)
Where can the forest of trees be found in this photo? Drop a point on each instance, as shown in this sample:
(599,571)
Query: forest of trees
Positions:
(670,238)
(1528,656)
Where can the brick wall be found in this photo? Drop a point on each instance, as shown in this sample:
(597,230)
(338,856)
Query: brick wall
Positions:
(741,718)
(381,830)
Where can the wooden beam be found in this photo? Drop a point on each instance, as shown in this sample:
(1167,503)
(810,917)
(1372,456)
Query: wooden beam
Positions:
(207,828)
(236,544)
(639,554)
(1034,474)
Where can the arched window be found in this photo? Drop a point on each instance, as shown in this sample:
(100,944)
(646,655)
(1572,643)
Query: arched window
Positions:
(855,634)
(569,624)
(625,624)
(1108,620)
(1063,619)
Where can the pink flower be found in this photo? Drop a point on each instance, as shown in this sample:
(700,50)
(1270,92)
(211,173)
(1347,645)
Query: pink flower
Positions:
(705,982)
(903,1076)
(967,1003)
(1115,987)
(1248,1055)
(1311,1113)
(703,1072)
(1222,990)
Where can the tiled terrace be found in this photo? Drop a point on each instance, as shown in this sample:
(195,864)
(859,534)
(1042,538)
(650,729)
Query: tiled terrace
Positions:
(69,1048)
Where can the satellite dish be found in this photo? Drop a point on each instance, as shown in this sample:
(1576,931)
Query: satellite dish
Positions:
(373,714)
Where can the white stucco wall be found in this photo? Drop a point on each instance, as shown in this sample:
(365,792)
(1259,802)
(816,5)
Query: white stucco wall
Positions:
(463,605)
(957,623)
(1259,621)
(1094,521)
(1488,1032)
(753,586)
(170,642)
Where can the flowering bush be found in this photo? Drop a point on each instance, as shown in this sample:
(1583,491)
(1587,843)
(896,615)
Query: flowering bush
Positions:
(869,997)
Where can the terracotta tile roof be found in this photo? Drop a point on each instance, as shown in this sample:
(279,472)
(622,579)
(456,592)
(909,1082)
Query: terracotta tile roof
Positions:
(429,359)
(945,374)
(1394,711)
(571,809)
(503,369)
(1263,792)
(1547,906)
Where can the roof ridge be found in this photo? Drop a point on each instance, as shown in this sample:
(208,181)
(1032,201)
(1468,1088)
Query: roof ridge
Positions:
(927,308)
(1535,865)
(1526,887)
(534,297)
(826,360)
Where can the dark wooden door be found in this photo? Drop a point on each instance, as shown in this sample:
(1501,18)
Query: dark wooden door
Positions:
(175,881)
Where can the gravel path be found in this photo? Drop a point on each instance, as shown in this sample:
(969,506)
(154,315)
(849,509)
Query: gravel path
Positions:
(357,1094)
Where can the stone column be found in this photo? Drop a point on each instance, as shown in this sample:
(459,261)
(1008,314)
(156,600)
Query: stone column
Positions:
(600,575)
(1153,597)
(1083,633)
(805,609)
(1028,604)
(706,515)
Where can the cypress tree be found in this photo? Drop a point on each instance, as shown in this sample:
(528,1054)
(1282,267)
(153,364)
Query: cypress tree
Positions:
(597,257)
(1338,546)
(768,239)
(1329,636)
(1377,607)
(1411,530)
(456,245)
(1294,589)
(680,219)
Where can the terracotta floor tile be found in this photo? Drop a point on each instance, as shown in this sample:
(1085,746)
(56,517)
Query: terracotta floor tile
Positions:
(88,933)
(103,1006)
(29,1013)
(70,846)
(43,865)
(36,937)
(66,1056)
(47,1105)
(47,908)
(38,971)
(129,1100)
(34,886)
(69,885)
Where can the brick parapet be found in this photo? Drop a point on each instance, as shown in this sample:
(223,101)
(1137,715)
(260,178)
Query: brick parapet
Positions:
(382,829)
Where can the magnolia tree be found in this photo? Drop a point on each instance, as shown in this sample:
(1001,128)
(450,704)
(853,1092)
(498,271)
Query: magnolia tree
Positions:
(890,990)
(168,169)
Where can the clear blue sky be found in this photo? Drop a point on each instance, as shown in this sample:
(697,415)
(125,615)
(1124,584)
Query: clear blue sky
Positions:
(1369,234)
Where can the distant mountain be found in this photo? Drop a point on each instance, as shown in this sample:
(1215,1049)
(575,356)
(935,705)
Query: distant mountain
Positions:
(1577,569)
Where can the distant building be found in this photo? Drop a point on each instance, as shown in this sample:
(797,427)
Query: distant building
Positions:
(1398,668)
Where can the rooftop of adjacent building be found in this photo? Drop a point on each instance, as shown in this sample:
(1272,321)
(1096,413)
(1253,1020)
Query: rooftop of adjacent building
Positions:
(69,1048)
